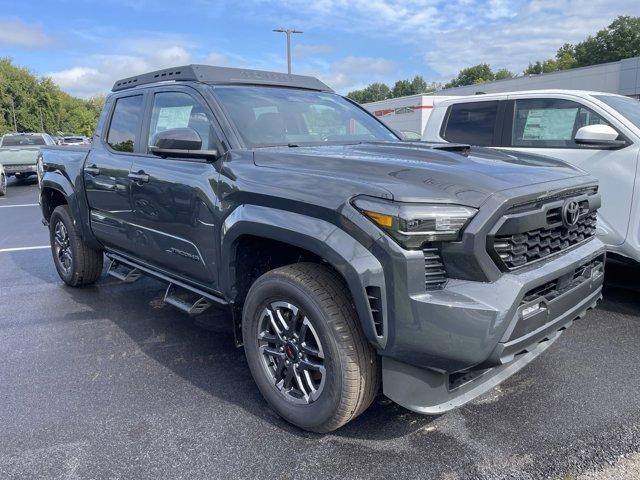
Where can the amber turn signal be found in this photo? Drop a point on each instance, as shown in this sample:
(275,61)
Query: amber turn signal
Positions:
(380,218)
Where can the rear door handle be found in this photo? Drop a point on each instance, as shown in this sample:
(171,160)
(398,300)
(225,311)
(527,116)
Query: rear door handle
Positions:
(139,177)
(93,170)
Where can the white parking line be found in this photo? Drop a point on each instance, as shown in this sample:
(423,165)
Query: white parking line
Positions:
(18,249)
(23,205)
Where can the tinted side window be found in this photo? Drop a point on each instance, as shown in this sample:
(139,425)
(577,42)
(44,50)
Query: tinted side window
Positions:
(180,110)
(472,123)
(125,123)
(550,122)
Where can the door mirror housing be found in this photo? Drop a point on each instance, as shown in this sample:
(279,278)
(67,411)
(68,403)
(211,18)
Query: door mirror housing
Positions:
(602,136)
(180,143)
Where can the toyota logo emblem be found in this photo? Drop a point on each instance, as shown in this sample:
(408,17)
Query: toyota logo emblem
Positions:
(570,213)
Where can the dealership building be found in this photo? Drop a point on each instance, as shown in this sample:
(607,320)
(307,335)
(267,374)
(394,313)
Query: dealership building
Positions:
(622,77)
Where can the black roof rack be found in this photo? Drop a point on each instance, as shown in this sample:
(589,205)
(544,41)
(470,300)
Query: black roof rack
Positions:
(222,76)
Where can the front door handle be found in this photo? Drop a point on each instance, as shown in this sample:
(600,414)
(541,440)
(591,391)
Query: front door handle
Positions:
(139,177)
(93,170)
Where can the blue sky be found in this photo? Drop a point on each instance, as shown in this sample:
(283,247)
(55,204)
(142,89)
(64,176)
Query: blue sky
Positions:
(86,45)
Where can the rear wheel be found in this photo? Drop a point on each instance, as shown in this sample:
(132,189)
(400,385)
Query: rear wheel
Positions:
(76,263)
(305,348)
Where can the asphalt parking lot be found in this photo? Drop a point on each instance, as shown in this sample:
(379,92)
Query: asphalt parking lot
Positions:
(108,382)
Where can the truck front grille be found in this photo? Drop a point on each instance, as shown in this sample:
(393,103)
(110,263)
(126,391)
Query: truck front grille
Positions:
(521,248)
(534,231)
(434,272)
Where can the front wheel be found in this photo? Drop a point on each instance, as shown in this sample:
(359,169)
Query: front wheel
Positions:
(76,263)
(3,185)
(305,347)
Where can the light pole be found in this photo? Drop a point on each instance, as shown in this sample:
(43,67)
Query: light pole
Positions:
(288,31)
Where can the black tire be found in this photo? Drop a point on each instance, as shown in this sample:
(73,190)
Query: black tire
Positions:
(352,374)
(3,185)
(83,265)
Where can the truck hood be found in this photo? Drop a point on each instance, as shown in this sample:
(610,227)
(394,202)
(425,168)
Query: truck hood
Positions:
(418,172)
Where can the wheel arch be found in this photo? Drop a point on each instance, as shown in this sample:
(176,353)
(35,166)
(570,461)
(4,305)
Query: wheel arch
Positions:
(50,198)
(305,238)
(56,189)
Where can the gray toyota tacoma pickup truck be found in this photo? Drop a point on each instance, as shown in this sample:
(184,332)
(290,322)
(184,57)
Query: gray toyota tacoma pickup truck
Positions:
(347,258)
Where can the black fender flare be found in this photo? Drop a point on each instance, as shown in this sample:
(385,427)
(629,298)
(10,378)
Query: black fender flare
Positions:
(358,267)
(55,180)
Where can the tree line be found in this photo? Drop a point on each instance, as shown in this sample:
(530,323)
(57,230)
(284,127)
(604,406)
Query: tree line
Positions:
(619,40)
(32,104)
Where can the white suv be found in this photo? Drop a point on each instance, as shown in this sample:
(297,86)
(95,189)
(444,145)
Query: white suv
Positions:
(598,132)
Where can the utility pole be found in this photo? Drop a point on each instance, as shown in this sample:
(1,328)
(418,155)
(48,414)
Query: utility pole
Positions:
(288,31)
(13,110)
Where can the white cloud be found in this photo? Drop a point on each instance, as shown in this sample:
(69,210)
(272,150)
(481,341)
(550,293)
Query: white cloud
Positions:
(71,78)
(218,59)
(99,72)
(500,9)
(303,50)
(16,33)
(354,72)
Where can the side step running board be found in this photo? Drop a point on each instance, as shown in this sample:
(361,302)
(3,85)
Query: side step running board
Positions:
(189,302)
(123,272)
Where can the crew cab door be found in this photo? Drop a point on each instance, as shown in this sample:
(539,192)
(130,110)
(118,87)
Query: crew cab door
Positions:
(547,125)
(106,171)
(174,199)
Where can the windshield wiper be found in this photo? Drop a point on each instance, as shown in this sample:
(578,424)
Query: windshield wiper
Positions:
(290,145)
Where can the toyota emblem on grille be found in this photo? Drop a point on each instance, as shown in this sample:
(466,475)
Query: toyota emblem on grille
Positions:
(570,213)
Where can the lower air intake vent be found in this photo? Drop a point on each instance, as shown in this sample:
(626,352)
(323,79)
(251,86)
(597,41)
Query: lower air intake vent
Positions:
(375,304)
(434,274)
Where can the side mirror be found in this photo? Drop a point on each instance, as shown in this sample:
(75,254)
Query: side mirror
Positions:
(180,143)
(599,136)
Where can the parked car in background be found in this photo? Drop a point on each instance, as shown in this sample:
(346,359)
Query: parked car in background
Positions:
(19,152)
(598,132)
(407,115)
(3,182)
(345,256)
(75,140)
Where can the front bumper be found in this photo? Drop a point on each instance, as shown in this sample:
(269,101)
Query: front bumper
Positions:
(449,346)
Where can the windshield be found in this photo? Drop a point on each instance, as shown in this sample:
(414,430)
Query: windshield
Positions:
(628,107)
(269,116)
(22,140)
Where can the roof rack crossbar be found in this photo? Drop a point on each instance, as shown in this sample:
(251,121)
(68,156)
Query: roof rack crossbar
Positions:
(222,75)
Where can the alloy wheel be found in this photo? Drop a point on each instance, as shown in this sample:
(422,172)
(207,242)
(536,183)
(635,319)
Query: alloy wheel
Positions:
(291,352)
(62,247)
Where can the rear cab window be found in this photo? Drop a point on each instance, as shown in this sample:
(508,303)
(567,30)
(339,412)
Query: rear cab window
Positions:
(125,123)
(473,123)
(23,140)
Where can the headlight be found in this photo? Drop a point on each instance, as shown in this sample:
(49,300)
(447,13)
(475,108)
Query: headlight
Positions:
(412,224)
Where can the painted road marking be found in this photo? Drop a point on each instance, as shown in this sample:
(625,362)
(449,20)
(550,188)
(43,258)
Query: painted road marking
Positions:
(18,249)
(23,205)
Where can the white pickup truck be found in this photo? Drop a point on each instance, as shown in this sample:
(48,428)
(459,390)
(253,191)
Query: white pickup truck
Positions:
(19,152)
(598,132)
